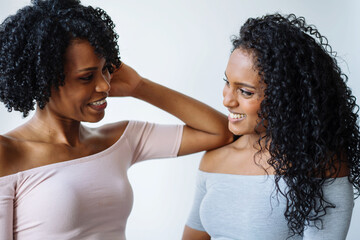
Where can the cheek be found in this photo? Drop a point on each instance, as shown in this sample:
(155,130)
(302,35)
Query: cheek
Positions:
(73,96)
(252,107)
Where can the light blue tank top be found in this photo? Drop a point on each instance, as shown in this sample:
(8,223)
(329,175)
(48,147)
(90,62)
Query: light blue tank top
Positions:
(244,207)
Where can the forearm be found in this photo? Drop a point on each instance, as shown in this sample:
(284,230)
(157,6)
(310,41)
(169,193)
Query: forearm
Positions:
(205,128)
(193,113)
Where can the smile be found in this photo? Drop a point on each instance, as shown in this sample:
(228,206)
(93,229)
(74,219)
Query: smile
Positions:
(98,103)
(237,115)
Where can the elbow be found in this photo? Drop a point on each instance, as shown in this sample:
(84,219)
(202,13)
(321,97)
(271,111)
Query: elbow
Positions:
(224,139)
(227,137)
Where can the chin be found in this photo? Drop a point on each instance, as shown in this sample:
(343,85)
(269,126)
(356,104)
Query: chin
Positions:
(241,132)
(94,119)
(235,131)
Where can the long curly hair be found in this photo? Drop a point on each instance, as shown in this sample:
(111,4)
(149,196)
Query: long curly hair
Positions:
(309,112)
(33,44)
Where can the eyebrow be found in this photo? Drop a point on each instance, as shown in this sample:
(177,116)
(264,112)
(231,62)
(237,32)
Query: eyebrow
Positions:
(88,69)
(242,84)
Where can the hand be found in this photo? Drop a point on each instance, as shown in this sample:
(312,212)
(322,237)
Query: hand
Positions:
(124,81)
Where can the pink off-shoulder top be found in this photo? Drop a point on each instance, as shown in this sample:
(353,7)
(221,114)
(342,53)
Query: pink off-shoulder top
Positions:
(86,198)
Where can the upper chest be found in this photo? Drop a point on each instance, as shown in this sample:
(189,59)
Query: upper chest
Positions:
(231,160)
(20,155)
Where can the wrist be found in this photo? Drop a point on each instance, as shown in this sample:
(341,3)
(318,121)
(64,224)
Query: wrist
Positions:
(140,88)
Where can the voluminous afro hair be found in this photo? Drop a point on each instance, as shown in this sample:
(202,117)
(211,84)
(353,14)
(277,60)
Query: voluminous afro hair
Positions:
(309,113)
(33,43)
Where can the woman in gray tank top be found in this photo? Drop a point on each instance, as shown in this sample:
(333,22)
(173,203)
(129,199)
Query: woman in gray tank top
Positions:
(294,170)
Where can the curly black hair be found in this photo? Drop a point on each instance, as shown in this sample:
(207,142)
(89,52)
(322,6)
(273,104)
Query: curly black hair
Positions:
(33,43)
(309,112)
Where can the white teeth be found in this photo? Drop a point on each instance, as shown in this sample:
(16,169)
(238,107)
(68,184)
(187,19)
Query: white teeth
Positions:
(98,102)
(237,115)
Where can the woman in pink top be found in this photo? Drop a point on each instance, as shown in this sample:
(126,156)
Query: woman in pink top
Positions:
(58,178)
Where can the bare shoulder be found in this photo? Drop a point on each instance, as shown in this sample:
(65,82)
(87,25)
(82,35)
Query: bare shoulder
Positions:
(212,160)
(2,149)
(236,158)
(107,134)
(2,155)
(8,155)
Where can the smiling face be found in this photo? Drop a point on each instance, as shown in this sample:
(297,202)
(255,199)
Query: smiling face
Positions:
(243,93)
(87,84)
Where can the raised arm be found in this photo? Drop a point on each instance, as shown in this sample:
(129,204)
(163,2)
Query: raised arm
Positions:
(205,127)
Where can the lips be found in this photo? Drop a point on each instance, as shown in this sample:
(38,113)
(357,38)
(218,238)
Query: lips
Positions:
(237,115)
(99,105)
(234,117)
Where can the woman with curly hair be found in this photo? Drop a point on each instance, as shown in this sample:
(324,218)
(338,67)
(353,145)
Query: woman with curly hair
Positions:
(292,172)
(58,178)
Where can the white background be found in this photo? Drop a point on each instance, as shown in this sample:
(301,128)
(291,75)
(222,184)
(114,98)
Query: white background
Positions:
(185,45)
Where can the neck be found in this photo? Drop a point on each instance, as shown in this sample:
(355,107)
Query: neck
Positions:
(56,129)
(251,141)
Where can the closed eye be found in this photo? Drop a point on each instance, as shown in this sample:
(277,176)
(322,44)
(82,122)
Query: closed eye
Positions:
(245,92)
(87,77)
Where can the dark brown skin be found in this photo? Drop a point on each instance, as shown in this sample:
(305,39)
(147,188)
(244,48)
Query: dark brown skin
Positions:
(55,133)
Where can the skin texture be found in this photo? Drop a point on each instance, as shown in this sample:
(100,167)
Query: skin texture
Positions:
(33,44)
(56,134)
(243,92)
(87,80)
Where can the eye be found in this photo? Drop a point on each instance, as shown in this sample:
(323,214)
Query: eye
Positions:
(245,92)
(226,82)
(87,77)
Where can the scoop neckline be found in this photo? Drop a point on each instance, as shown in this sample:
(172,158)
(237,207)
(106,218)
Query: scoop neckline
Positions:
(243,175)
(232,174)
(75,160)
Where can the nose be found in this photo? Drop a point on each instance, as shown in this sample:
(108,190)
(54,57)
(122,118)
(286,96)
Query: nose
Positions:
(103,83)
(229,100)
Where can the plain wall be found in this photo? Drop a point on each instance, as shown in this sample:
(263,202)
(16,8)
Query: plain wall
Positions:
(185,45)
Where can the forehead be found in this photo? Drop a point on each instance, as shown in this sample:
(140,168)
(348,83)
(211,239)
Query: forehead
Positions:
(80,53)
(241,67)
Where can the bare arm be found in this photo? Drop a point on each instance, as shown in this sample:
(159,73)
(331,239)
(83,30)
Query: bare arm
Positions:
(205,127)
(192,234)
